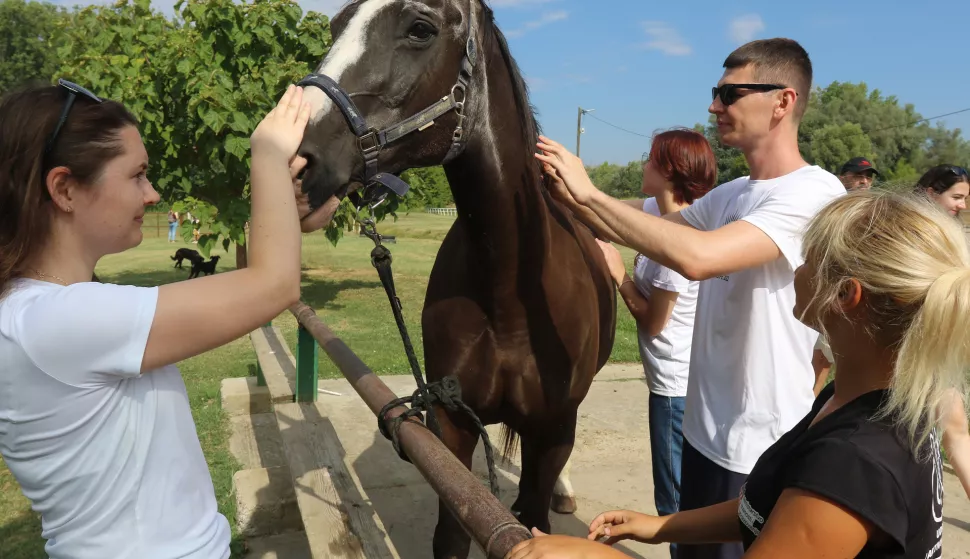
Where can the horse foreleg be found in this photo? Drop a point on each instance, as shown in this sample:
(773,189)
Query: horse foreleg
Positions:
(450,540)
(543,459)
(563,496)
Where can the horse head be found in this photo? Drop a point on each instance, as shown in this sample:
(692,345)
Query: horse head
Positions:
(391,93)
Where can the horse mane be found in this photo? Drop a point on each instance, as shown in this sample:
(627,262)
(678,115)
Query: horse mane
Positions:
(525,110)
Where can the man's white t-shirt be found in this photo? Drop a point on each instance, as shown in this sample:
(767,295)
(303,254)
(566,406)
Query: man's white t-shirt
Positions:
(666,356)
(109,457)
(751,376)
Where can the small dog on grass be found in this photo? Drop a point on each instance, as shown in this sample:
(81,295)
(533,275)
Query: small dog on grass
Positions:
(192,256)
(205,267)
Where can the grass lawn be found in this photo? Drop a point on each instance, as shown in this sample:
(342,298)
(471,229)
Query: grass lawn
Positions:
(339,282)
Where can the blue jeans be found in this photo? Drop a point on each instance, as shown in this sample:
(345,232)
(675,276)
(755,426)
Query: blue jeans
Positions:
(171,230)
(666,448)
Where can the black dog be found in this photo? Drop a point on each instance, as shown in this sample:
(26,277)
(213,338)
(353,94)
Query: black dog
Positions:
(187,254)
(205,267)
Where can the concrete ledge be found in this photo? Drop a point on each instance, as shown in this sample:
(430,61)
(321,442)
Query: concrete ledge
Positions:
(254,441)
(265,502)
(241,396)
(285,546)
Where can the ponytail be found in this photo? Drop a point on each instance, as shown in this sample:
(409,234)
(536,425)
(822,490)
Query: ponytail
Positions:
(932,357)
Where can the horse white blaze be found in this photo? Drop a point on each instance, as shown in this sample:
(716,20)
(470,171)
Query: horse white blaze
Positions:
(344,54)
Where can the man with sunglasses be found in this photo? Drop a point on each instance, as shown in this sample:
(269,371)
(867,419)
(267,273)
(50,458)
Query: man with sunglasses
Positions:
(751,378)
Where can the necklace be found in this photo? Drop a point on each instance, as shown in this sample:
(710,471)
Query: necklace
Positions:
(49,276)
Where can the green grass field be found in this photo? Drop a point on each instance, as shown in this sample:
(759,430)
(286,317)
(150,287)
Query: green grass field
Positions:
(339,282)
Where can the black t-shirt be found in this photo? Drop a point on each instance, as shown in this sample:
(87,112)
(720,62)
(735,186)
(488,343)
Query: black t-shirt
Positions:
(862,464)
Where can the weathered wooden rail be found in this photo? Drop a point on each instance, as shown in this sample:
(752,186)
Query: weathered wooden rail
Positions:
(487,521)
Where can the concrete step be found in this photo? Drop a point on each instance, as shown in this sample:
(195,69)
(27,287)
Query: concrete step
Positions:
(241,396)
(255,441)
(265,502)
(293,545)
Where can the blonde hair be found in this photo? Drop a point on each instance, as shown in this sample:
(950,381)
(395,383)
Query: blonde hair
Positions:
(913,262)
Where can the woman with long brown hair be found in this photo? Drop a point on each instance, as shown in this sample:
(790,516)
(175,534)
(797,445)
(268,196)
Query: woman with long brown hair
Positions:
(95,423)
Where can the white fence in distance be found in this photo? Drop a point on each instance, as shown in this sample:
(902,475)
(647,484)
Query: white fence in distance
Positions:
(442,211)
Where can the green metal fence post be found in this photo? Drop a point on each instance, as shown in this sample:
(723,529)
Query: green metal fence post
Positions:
(306,366)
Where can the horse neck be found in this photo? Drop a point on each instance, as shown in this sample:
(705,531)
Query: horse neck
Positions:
(502,206)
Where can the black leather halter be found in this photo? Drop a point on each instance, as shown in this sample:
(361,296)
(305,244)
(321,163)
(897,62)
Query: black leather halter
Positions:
(371,141)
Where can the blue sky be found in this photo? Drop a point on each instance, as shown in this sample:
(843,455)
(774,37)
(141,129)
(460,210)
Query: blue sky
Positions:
(647,65)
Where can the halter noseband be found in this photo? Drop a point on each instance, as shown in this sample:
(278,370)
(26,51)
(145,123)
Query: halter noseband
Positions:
(371,141)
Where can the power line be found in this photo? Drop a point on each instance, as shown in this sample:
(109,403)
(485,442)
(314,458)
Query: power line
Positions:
(618,127)
(847,136)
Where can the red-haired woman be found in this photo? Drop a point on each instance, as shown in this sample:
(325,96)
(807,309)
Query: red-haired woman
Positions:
(679,169)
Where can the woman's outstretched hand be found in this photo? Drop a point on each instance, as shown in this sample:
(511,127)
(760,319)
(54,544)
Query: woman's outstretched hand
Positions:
(621,525)
(569,170)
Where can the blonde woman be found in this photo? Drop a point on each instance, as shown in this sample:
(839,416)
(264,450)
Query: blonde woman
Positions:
(887,280)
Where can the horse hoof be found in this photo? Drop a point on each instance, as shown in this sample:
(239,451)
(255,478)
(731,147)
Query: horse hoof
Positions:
(563,504)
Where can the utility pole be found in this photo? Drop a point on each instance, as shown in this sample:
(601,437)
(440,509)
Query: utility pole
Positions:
(579,126)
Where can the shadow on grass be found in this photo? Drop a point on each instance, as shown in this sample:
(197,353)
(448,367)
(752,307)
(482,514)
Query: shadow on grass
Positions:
(320,293)
(20,537)
(150,278)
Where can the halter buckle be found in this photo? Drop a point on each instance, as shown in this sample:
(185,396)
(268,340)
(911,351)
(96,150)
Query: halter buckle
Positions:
(370,137)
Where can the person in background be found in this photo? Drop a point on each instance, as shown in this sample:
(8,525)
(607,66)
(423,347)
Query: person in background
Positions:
(857,174)
(679,169)
(95,423)
(750,365)
(887,279)
(947,186)
(173,222)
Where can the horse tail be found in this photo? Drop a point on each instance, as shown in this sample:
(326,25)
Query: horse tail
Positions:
(510,441)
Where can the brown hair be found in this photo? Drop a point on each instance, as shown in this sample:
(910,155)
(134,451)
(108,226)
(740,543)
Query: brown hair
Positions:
(685,158)
(941,178)
(88,140)
(779,61)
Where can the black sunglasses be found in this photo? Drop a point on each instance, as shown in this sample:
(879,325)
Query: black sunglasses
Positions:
(729,91)
(73,90)
(958,171)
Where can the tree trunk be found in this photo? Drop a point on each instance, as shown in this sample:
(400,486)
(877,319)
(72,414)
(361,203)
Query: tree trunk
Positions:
(241,260)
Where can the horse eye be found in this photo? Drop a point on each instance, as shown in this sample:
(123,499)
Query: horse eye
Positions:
(421,31)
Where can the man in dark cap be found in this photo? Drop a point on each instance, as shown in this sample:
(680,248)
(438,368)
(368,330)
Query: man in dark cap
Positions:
(857,174)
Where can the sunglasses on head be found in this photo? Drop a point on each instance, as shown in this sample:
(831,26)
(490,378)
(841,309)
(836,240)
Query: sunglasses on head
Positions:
(73,90)
(958,171)
(729,91)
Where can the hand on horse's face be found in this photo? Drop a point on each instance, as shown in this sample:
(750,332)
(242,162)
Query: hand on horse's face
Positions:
(569,168)
(281,130)
(543,546)
(310,220)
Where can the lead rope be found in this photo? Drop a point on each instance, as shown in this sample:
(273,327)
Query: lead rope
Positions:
(446,392)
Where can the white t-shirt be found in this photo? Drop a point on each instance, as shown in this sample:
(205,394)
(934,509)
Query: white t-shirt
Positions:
(666,356)
(109,457)
(751,376)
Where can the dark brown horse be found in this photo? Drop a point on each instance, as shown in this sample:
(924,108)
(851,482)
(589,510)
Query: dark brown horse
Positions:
(520,305)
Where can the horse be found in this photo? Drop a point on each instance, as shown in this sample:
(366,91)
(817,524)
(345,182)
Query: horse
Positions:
(520,306)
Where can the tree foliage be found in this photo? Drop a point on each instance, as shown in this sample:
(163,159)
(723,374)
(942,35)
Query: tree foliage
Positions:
(199,85)
(28,41)
(619,181)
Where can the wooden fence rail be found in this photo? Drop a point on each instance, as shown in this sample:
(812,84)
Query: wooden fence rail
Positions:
(485,518)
